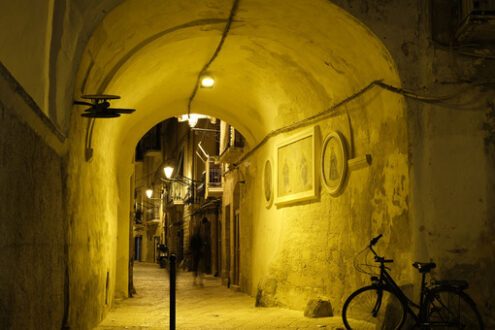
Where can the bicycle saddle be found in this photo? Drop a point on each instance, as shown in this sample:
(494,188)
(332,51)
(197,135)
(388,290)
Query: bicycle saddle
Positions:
(424,267)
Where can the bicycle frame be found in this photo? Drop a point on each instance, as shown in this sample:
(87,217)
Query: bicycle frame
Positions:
(387,281)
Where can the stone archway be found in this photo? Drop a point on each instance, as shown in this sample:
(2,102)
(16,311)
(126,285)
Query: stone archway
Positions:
(281,63)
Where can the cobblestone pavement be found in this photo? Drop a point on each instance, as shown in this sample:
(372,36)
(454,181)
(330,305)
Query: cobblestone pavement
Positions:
(212,306)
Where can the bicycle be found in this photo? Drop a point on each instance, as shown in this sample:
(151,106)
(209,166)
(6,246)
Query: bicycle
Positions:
(383,305)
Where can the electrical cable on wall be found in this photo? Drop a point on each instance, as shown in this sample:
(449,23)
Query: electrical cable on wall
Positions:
(437,100)
(466,50)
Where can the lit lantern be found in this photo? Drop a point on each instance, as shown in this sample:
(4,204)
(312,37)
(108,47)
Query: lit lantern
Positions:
(168,171)
(193,119)
(149,193)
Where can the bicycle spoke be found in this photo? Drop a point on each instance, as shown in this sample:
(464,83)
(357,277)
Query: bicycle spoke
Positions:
(450,309)
(371,308)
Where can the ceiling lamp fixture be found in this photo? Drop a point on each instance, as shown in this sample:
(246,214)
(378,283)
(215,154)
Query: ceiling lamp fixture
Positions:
(207,81)
(193,120)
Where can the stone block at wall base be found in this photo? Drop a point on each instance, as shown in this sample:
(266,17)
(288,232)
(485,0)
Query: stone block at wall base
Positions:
(265,296)
(318,308)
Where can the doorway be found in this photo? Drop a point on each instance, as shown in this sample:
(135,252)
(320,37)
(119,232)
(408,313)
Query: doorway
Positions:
(237,249)
(226,270)
(156,241)
(137,247)
(219,246)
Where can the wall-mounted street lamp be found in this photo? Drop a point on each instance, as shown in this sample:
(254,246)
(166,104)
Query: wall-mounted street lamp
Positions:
(149,193)
(169,170)
(99,107)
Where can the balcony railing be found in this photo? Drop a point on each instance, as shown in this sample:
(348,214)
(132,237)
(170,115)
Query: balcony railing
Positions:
(183,193)
(213,185)
(177,192)
(233,145)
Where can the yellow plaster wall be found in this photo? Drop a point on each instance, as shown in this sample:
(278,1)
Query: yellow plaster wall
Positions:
(306,250)
(98,219)
(25,44)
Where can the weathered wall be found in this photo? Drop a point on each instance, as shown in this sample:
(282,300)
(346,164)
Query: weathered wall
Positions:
(98,213)
(443,213)
(451,163)
(306,250)
(32,222)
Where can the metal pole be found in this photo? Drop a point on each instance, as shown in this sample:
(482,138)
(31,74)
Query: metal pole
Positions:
(172,259)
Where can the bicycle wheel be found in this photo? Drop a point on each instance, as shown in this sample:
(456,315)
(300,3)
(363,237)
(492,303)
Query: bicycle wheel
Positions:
(449,308)
(372,307)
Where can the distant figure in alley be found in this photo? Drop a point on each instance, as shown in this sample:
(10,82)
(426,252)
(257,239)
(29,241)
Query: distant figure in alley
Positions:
(197,251)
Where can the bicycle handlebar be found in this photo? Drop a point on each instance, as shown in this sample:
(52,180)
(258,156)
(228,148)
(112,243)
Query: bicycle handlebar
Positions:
(377,257)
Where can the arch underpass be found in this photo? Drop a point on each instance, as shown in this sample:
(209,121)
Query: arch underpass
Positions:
(286,71)
(280,63)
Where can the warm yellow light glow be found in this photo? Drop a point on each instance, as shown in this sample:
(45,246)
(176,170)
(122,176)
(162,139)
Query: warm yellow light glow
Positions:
(193,119)
(168,171)
(207,81)
(149,193)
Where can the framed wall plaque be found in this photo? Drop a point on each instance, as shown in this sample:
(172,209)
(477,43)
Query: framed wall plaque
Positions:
(334,163)
(268,183)
(296,166)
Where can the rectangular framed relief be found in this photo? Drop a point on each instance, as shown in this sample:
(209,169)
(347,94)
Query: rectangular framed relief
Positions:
(296,167)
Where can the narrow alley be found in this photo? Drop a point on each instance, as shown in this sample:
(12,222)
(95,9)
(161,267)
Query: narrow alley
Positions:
(212,306)
(265,143)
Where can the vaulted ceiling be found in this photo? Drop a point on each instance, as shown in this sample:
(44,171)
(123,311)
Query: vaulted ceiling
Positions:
(281,61)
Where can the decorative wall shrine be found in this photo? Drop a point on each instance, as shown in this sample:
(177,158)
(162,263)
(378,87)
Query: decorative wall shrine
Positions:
(296,167)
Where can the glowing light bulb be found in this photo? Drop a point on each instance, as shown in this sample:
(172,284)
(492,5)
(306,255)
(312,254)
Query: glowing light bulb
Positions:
(193,120)
(207,82)
(168,171)
(149,193)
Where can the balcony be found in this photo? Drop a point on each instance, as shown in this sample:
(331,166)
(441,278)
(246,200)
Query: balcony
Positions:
(177,193)
(213,184)
(152,213)
(232,144)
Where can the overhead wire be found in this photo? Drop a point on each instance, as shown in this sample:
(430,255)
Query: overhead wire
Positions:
(205,68)
(330,111)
